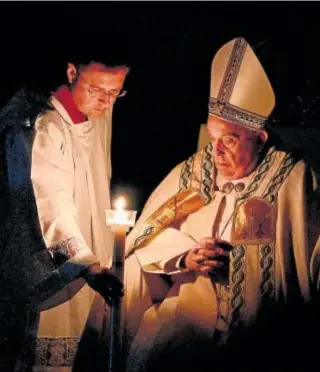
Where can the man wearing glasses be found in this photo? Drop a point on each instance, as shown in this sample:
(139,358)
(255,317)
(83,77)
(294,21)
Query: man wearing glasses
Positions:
(56,248)
(227,241)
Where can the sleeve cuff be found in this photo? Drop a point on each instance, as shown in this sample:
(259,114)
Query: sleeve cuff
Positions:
(69,259)
(173,265)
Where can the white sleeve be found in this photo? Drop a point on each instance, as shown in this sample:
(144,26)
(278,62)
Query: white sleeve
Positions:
(51,172)
(173,265)
(162,253)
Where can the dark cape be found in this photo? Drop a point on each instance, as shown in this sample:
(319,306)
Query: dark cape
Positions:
(27,271)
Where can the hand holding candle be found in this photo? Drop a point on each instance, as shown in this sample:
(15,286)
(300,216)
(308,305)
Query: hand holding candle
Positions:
(104,281)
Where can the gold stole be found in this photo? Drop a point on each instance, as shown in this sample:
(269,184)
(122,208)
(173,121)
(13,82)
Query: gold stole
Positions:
(252,261)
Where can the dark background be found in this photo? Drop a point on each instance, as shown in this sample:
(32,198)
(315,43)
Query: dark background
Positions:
(171,47)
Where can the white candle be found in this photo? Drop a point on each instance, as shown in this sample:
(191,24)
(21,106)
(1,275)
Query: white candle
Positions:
(120,220)
(120,216)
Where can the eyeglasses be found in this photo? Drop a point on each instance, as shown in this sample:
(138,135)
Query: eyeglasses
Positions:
(98,92)
(229,141)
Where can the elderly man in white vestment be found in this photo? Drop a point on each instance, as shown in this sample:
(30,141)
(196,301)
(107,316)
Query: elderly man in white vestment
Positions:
(230,235)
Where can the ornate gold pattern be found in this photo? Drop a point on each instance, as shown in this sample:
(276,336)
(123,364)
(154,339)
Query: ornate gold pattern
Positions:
(266,245)
(185,177)
(236,115)
(267,259)
(254,222)
(232,70)
(207,168)
(280,176)
(177,207)
(237,282)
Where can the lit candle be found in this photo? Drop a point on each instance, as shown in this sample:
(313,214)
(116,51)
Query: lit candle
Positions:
(119,224)
(120,221)
(120,216)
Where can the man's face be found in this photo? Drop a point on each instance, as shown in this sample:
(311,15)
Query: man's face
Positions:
(95,87)
(234,147)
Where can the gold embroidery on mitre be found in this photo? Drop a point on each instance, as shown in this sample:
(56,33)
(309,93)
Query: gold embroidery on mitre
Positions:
(232,70)
(236,115)
(254,222)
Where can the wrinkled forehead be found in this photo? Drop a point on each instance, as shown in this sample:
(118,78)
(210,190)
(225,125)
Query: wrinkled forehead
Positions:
(218,127)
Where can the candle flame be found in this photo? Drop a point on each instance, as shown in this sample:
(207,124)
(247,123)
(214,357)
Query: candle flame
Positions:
(120,203)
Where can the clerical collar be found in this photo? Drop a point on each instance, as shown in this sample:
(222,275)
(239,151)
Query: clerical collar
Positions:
(63,95)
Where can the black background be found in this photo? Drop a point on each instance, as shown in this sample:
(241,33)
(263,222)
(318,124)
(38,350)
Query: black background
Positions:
(171,48)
